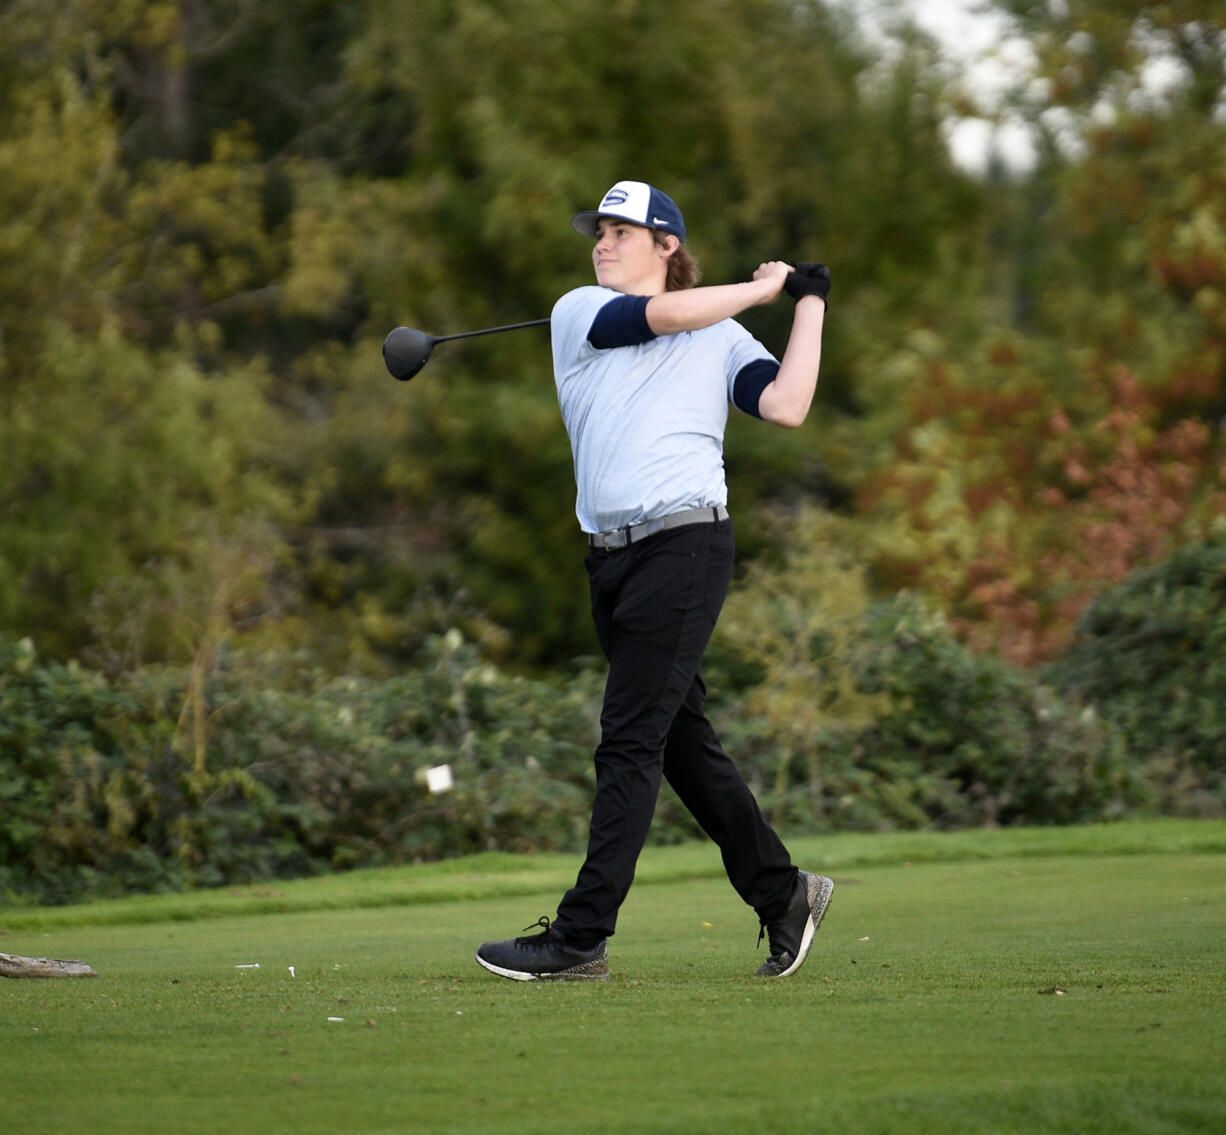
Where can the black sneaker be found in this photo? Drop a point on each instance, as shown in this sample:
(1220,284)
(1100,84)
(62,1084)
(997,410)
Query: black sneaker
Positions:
(544,957)
(792,935)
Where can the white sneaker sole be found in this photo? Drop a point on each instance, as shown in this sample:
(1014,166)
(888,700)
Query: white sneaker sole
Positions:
(597,970)
(514,975)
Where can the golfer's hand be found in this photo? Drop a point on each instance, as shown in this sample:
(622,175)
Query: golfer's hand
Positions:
(772,275)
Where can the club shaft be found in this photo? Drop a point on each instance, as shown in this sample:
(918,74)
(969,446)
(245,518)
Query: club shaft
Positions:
(491,330)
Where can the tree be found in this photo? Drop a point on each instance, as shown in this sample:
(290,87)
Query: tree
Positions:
(127,454)
(1072,436)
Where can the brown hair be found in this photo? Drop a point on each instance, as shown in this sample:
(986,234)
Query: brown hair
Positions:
(683,270)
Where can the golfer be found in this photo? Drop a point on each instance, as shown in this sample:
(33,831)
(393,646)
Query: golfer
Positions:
(646,365)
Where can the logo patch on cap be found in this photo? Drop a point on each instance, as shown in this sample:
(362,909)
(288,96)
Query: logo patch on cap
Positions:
(615,196)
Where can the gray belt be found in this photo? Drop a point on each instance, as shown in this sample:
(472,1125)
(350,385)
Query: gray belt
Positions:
(632,533)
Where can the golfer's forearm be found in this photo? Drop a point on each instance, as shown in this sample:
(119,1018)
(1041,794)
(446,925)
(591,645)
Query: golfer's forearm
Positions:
(786,401)
(695,308)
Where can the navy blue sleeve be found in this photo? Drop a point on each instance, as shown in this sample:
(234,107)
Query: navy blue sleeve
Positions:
(749,383)
(622,322)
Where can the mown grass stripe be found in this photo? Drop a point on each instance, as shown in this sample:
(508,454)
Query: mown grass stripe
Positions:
(498,874)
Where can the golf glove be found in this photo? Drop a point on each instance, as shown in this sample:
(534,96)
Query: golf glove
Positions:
(808,280)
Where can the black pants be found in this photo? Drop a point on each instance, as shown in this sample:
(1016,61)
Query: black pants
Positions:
(655,604)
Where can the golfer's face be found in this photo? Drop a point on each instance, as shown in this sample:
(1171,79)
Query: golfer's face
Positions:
(626,258)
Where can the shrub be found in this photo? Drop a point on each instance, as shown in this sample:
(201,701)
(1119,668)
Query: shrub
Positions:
(1150,655)
(105,790)
(979,741)
(955,739)
(856,715)
(74,812)
(869,715)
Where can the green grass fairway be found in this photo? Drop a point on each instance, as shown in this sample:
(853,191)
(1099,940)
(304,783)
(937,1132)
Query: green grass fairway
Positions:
(1065,980)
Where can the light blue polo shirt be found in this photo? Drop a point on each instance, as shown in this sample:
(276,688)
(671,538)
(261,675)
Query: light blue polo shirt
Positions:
(646,420)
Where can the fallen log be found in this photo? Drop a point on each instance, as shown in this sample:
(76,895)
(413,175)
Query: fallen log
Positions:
(14,965)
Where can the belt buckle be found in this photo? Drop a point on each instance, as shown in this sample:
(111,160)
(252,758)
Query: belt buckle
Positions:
(610,541)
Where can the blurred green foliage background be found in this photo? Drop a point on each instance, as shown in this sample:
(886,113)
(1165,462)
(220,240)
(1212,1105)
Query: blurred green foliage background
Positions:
(213,211)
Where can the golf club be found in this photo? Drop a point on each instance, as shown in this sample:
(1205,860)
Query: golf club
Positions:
(406,349)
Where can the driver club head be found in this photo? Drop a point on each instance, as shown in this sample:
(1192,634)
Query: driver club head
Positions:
(406,350)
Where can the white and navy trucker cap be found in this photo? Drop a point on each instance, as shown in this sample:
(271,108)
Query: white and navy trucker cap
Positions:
(638,202)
